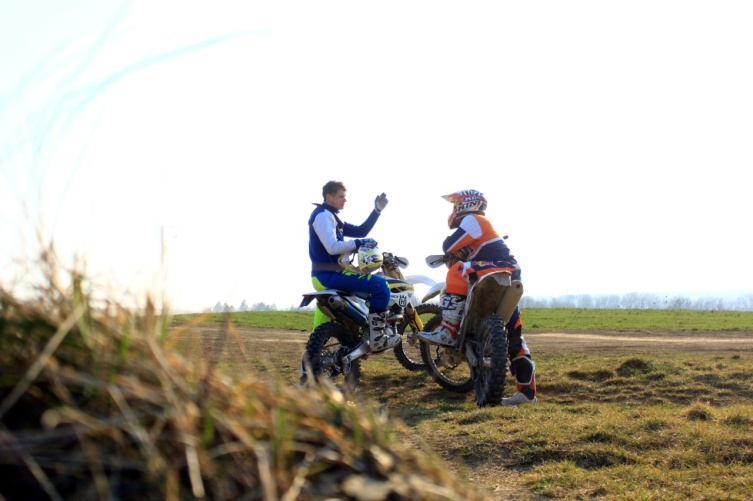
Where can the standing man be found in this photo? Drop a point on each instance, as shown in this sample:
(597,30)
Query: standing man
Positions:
(327,242)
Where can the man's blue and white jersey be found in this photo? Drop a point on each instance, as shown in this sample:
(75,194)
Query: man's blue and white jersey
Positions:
(327,237)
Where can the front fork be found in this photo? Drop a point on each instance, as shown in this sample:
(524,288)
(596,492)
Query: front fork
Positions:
(417,323)
(470,356)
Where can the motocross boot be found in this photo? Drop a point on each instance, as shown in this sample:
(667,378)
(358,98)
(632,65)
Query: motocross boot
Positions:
(522,366)
(381,336)
(518,399)
(447,334)
(524,370)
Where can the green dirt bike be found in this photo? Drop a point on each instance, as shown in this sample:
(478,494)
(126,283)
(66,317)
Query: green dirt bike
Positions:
(479,361)
(335,349)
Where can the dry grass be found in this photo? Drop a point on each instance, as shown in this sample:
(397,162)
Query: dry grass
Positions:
(95,405)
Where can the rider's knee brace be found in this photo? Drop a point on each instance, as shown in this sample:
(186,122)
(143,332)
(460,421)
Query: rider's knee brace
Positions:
(515,342)
(522,368)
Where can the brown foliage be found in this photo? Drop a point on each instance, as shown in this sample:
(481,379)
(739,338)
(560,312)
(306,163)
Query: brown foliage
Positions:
(94,405)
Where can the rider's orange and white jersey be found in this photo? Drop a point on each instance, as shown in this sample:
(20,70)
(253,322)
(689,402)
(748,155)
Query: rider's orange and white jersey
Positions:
(477,240)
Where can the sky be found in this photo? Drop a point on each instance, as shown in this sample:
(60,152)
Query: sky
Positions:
(177,147)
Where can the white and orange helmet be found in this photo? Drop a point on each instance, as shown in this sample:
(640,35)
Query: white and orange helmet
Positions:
(464,202)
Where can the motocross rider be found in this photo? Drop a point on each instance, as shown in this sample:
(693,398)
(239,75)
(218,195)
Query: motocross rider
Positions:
(476,249)
(327,243)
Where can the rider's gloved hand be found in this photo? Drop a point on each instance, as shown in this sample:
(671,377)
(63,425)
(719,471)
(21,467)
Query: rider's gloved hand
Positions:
(380,202)
(450,259)
(368,242)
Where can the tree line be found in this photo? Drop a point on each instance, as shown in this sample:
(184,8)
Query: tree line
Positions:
(633,300)
(221,307)
(640,301)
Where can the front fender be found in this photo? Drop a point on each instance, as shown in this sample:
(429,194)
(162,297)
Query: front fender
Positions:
(435,290)
(420,279)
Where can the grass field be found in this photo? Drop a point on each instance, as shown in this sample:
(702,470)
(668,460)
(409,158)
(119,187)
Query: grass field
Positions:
(634,404)
(536,319)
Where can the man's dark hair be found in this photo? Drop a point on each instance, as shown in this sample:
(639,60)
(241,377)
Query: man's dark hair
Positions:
(332,187)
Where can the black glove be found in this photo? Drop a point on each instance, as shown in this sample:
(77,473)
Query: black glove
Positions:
(450,259)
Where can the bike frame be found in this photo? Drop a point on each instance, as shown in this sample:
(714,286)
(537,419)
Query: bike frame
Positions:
(495,292)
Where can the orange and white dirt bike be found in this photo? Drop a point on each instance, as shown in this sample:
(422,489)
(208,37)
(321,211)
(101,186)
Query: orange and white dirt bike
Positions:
(479,360)
(335,348)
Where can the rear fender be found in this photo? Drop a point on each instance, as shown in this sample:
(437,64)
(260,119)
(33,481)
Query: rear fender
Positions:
(310,296)
(485,296)
(512,296)
(322,296)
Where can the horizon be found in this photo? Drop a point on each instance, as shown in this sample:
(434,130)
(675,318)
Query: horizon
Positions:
(744,298)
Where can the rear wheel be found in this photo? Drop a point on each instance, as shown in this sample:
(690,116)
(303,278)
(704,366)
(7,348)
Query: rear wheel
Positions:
(408,352)
(447,366)
(490,346)
(324,351)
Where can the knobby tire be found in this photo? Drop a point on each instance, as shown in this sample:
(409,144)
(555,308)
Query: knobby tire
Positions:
(492,341)
(321,350)
(450,376)
(408,352)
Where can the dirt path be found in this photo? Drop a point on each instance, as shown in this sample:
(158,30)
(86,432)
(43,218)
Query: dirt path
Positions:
(278,351)
(641,343)
(540,342)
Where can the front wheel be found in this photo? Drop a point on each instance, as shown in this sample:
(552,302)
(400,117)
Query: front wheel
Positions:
(408,353)
(324,351)
(490,347)
(447,366)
